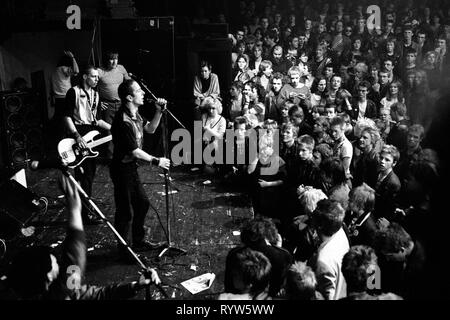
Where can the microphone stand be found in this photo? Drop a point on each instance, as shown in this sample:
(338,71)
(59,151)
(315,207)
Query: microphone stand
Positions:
(141,264)
(169,247)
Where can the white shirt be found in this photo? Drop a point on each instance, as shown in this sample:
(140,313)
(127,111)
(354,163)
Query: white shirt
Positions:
(362,109)
(330,280)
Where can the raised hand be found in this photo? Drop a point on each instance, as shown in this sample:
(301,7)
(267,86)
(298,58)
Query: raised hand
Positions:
(161,103)
(69,54)
(149,276)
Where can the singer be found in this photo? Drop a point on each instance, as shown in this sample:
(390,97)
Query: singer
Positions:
(129,195)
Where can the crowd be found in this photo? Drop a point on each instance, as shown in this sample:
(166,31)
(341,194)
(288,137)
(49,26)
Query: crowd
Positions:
(340,112)
(343,109)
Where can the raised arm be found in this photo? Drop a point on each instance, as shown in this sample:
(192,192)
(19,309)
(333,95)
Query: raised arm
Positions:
(151,126)
(73,204)
(75,68)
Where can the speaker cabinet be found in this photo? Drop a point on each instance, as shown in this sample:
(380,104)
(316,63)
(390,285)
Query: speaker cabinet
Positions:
(21,128)
(145,47)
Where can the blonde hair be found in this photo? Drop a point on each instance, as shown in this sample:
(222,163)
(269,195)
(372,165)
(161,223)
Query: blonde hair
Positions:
(212,102)
(309,199)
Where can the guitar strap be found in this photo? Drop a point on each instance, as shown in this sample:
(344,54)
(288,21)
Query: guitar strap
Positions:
(92,104)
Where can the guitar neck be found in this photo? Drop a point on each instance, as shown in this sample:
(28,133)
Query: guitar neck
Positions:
(98,142)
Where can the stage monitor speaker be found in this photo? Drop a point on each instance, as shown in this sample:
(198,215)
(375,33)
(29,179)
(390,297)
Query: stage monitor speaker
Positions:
(18,206)
(21,127)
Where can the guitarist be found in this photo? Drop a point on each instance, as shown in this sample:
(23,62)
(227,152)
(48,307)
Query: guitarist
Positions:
(130,198)
(80,117)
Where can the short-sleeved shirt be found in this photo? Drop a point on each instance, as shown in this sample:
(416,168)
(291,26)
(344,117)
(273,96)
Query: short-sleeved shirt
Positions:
(342,150)
(109,81)
(60,82)
(127,133)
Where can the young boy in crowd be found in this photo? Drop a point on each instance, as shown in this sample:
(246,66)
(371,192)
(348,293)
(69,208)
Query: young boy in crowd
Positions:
(388,184)
(342,149)
(330,111)
(303,172)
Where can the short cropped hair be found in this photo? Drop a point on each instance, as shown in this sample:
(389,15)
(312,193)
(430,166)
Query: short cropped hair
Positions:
(337,121)
(239,120)
(307,141)
(328,217)
(301,282)
(87,69)
(330,106)
(125,89)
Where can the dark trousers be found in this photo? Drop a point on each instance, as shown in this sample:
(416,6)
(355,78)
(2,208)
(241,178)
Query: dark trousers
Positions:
(131,201)
(108,115)
(85,174)
(54,132)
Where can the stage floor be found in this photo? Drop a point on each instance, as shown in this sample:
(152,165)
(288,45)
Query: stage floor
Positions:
(203,222)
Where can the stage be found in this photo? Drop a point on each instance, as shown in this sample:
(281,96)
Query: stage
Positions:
(204,223)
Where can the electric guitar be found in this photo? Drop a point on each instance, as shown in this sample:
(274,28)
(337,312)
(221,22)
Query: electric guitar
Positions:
(72,155)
